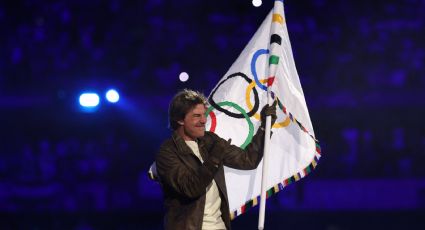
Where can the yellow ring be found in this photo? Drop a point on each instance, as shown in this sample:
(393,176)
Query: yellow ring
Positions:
(256,115)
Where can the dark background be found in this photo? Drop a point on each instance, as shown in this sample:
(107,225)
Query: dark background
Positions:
(361,65)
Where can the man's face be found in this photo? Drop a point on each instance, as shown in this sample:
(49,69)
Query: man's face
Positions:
(193,125)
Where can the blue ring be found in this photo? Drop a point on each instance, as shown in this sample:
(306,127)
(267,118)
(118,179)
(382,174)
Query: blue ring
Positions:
(254,69)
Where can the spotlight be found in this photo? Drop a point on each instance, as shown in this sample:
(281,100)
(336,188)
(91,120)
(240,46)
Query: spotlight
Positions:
(112,96)
(89,100)
(183,76)
(257,3)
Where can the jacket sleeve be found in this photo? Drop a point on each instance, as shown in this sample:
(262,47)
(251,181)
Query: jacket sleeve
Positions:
(183,179)
(245,159)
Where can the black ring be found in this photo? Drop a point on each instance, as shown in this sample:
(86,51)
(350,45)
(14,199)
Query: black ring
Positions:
(236,115)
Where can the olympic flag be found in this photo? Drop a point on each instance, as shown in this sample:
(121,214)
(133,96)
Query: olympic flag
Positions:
(266,61)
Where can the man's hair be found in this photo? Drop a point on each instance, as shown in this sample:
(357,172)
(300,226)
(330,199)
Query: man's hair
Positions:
(182,103)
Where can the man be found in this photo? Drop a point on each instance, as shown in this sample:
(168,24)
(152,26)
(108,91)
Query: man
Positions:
(190,165)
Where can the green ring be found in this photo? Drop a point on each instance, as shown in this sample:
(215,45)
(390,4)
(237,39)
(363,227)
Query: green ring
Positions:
(242,111)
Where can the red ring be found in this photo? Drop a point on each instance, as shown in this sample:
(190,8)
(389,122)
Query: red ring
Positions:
(213,121)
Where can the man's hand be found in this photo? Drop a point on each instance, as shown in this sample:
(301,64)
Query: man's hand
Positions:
(217,152)
(268,111)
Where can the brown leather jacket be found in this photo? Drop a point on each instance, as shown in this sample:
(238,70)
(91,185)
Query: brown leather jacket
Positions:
(184,178)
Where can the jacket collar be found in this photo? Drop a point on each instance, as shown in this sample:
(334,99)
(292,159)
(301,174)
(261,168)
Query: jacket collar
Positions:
(181,145)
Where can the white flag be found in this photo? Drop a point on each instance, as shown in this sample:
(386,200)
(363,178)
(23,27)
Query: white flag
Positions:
(236,102)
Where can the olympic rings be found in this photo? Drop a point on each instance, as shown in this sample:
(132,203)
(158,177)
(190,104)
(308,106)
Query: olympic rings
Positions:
(240,109)
(227,112)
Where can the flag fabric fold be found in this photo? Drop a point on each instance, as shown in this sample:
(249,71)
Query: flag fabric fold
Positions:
(267,60)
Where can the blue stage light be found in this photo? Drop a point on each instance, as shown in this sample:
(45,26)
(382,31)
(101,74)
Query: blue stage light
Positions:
(89,100)
(112,96)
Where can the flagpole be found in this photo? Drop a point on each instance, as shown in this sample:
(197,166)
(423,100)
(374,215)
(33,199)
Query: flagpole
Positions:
(276,19)
(265,168)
